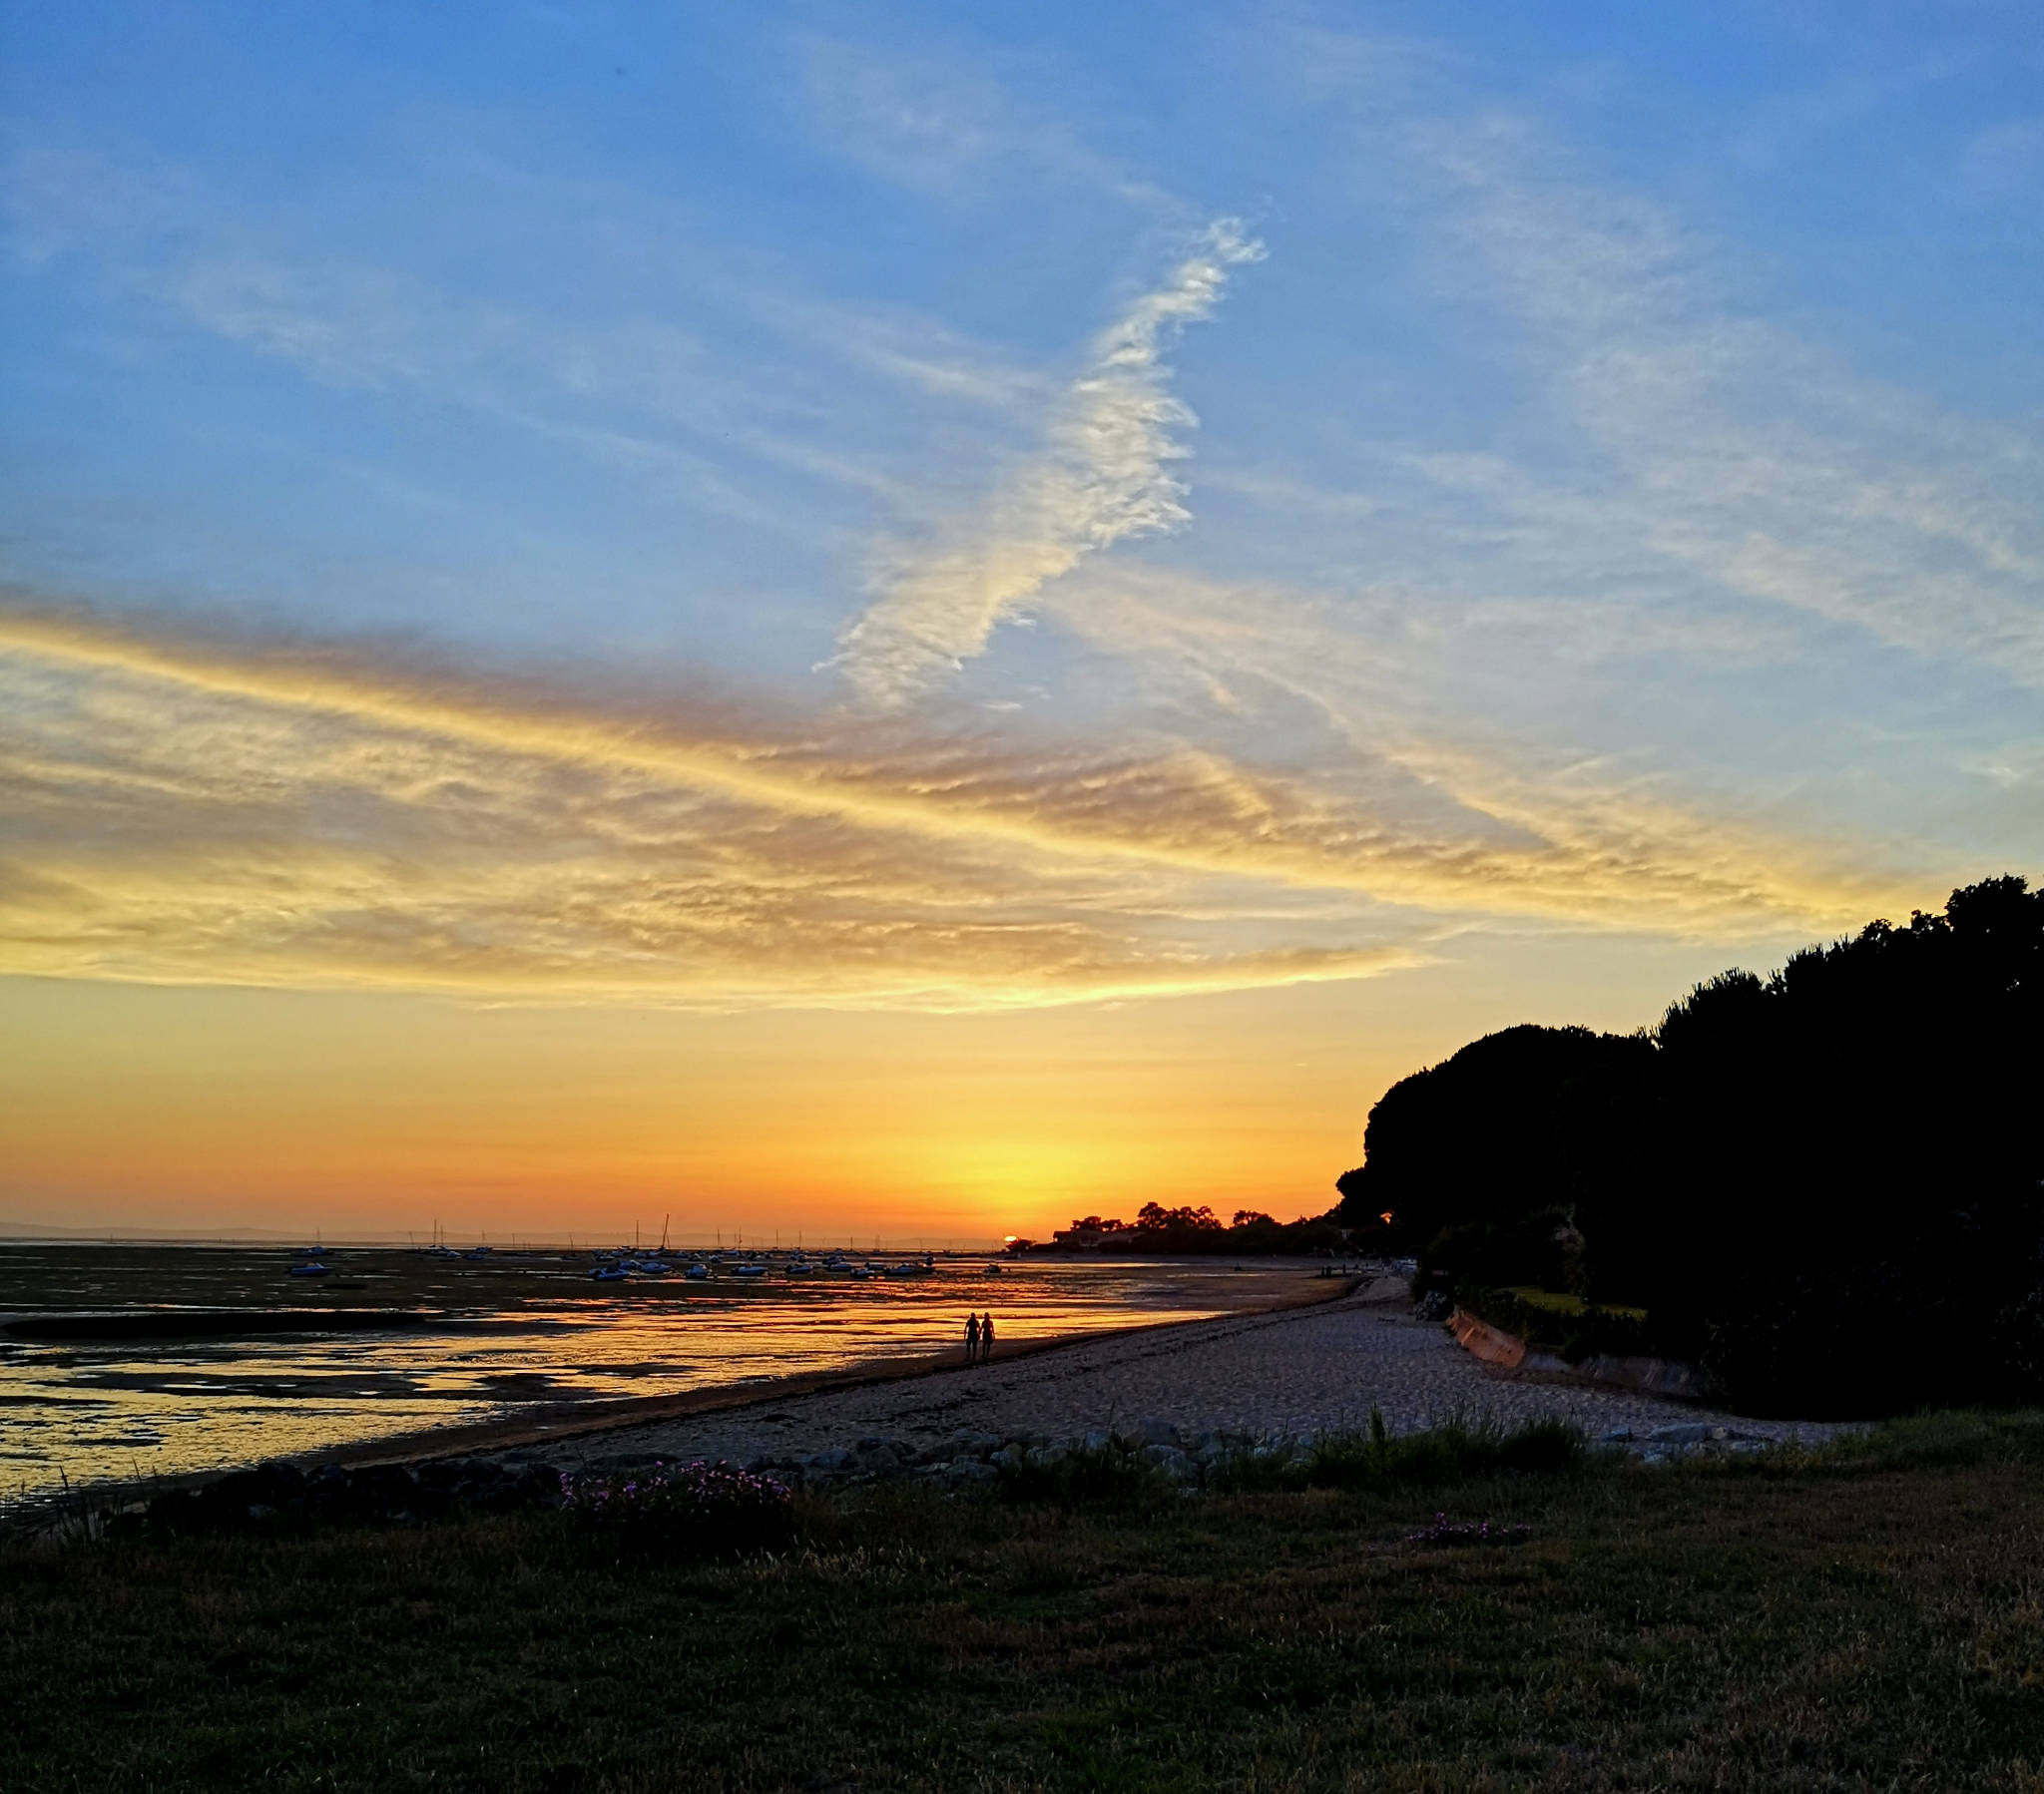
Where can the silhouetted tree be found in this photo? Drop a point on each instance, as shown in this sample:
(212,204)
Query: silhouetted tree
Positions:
(1485,1160)
(1869,1118)
(1193,1230)
(1828,1184)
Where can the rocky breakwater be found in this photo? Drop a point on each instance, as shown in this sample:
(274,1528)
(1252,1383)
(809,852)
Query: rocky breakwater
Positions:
(1685,1439)
(282,1495)
(1218,1456)
(969,1460)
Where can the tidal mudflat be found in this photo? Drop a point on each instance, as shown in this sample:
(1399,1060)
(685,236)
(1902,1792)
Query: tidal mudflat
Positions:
(394,1342)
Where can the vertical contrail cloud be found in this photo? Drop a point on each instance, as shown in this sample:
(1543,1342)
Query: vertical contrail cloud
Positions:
(1103,474)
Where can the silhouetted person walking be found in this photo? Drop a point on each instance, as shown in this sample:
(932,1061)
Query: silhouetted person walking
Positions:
(972,1339)
(986,1336)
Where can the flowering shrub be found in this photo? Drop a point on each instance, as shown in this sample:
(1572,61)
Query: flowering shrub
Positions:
(1447,1531)
(698,1506)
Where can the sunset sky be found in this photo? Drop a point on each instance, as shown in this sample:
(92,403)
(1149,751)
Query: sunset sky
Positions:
(917,620)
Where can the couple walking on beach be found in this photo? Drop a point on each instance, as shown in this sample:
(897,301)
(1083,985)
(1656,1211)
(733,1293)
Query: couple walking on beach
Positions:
(979,1338)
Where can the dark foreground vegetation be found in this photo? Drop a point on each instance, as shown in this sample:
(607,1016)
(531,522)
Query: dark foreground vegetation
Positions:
(1825,1187)
(1865,1617)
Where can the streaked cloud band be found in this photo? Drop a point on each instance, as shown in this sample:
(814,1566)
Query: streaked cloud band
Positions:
(1103,476)
(220,812)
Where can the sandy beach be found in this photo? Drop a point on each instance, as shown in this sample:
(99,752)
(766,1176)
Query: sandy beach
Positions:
(1319,1360)
(128,1363)
(1297,1370)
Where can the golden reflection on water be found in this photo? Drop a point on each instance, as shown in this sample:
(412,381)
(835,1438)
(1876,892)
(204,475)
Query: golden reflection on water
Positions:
(505,1334)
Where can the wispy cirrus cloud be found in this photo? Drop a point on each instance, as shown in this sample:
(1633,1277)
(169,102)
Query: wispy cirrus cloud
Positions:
(181,812)
(655,392)
(2004,163)
(942,128)
(1452,803)
(1103,475)
(1667,437)
(1724,443)
(232,811)
(1337,782)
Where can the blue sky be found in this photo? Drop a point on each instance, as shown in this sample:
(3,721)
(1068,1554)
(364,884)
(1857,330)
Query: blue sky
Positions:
(438,318)
(968,509)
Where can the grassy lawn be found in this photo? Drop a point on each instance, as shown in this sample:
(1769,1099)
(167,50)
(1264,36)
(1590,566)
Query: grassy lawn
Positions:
(1870,1620)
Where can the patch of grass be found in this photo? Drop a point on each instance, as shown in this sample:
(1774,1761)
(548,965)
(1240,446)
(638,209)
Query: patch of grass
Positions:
(1555,1322)
(1116,1478)
(1557,1301)
(1951,1437)
(1863,1616)
(1376,1460)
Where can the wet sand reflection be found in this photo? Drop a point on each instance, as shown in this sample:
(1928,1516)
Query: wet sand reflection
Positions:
(481,1340)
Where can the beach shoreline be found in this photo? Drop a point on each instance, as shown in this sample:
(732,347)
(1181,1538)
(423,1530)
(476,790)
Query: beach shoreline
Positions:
(571,1422)
(553,1426)
(1334,1355)
(1342,1365)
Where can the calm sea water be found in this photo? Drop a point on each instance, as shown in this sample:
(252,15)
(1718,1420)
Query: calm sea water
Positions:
(504,1336)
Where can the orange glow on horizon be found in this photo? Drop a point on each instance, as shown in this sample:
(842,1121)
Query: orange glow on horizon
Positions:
(150,1108)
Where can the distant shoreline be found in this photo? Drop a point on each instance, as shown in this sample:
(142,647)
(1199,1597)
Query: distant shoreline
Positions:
(553,1424)
(284,1240)
(565,1421)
